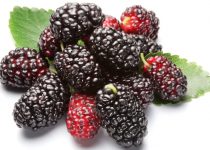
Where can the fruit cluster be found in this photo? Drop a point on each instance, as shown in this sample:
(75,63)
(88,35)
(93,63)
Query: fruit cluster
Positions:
(101,77)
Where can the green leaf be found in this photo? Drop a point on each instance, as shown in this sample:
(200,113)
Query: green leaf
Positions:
(27,24)
(197,78)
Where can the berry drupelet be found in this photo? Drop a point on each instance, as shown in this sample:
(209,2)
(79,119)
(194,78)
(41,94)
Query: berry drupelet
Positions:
(146,44)
(21,68)
(82,120)
(137,20)
(48,45)
(142,88)
(115,50)
(73,20)
(78,67)
(43,104)
(111,22)
(121,114)
(111,76)
(169,81)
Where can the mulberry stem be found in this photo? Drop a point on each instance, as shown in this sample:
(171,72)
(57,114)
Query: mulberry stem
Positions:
(62,46)
(112,87)
(144,61)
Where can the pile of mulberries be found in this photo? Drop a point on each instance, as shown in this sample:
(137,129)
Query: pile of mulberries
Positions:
(99,71)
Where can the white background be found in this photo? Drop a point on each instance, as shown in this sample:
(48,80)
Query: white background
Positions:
(184,30)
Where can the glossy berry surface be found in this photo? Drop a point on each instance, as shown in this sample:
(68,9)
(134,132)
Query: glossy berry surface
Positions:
(142,88)
(121,114)
(21,68)
(111,22)
(72,21)
(82,120)
(43,104)
(137,20)
(146,44)
(48,45)
(169,81)
(78,67)
(115,50)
